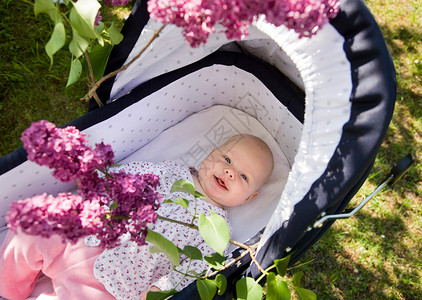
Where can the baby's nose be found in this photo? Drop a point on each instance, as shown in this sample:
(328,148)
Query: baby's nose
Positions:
(230,173)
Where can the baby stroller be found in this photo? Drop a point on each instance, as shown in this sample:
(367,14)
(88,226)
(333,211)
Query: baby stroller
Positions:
(322,104)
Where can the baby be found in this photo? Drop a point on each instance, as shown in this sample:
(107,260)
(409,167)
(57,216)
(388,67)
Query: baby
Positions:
(233,173)
(230,176)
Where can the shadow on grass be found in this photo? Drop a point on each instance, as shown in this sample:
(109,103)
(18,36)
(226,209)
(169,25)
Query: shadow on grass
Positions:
(376,253)
(370,261)
(402,40)
(403,136)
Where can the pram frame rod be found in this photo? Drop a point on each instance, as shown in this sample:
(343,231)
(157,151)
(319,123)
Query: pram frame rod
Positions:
(396,173)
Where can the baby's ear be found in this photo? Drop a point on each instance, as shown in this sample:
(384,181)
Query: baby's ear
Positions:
(251,197)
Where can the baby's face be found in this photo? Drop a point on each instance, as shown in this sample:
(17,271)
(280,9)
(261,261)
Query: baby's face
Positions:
(232,174)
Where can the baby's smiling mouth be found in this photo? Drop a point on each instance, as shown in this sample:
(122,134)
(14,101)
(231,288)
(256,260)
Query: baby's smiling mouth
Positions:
(220,182)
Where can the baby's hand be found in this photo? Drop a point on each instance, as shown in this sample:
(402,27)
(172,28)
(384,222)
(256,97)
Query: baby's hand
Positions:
(151,289)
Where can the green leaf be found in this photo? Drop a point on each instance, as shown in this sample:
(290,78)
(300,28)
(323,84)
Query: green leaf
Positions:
(192,252)
(47,7)
(199,195)
(113,205)
(78,44)
(75,72)
(163,245)
(214,231)
(206,288)
(248,289)
(154,249)
(181,201)
(183,186)
(193,272)
(215,260)
(277,289)
(114,34)
(99,28)
(282,264)
(82,17)
(99,56)
(56,41)
(221,282)
(58,36)
(305,294)
(161,295)
(297,279)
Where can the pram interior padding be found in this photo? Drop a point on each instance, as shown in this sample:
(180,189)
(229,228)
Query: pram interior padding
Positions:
(319,66)
(207,129)
(329,133)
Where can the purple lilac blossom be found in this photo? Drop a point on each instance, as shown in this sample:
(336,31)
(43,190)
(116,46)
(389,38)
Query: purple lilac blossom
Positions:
(66,215)
(71,217)
(109,204)
(120,2)
(198,17)
(98,18)
(116,2)
(104,154)
(137,200)
(64,150)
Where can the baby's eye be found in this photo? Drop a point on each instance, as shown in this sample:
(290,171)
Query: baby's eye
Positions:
(227,159)
(244,176)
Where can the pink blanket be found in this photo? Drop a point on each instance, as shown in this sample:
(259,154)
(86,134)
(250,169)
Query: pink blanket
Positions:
(70,268)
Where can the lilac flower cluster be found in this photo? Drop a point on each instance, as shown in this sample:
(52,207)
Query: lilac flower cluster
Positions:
(117,2)
(109,204)
(98,18)
(198,17)
(135,208)
(66,215)
(64,150)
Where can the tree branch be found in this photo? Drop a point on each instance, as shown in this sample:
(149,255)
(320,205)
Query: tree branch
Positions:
(250,249)
(228,264)
(110,75)
(91,73)
(178,222)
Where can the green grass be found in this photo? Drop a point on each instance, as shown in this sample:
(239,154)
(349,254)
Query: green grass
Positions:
(30,89)
(373,255)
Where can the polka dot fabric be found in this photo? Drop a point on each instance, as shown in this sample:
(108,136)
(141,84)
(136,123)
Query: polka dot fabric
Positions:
(129,269)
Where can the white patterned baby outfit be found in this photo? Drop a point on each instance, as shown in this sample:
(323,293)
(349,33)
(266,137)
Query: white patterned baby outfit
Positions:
(128,270)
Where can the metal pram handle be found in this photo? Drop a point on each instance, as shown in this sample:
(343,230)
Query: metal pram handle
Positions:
(396,173)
